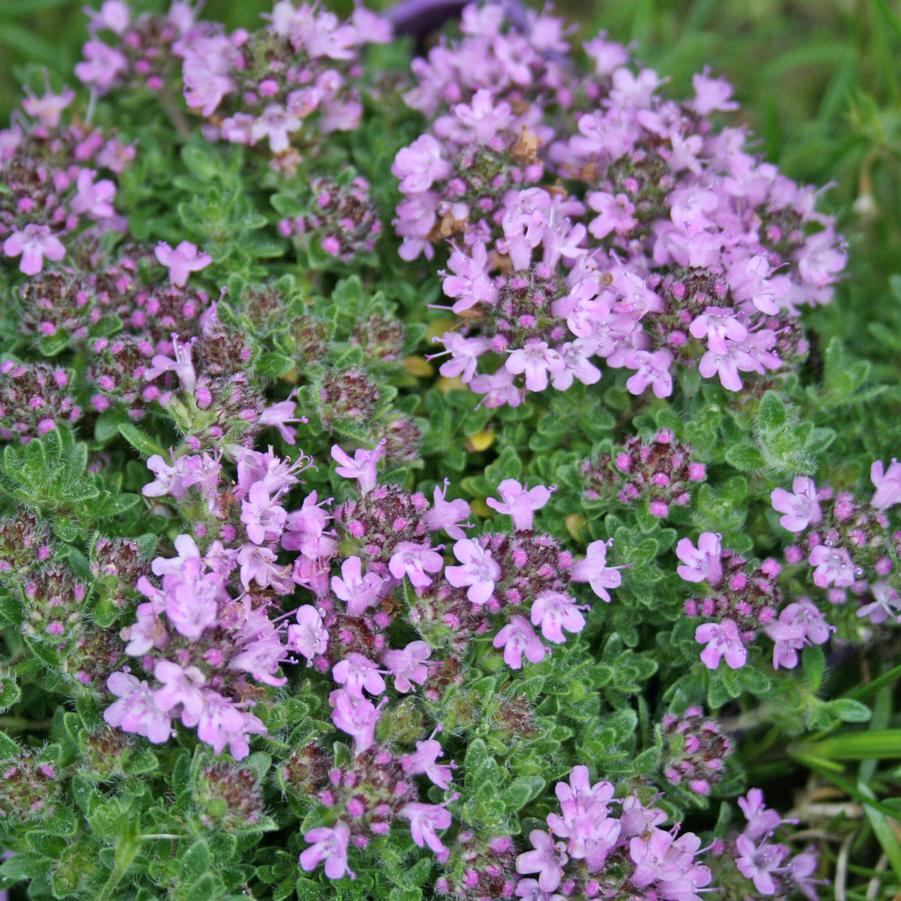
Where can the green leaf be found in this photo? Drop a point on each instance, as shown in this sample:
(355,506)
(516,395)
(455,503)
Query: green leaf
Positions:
(195,862)
(8,747)
(140,440)
(772,414)
(744,457)
(522,790)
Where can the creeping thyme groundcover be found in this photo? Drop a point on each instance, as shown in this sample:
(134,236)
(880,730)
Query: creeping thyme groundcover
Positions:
(419,479)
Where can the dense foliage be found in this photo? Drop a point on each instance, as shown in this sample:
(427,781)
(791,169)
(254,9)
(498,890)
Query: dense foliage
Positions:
(431,472)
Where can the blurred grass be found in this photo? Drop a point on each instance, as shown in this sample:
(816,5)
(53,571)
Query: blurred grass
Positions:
(819,82)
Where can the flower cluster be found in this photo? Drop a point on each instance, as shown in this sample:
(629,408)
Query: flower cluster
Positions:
(744,599)
(660,473)
(34,398)
(849,545)
(696,750)
(602,847)
(679,247)
(55,189)
(52,599)
(265,85)
(136,51)
(756,856)
(340,221)
(204,635)
(29,787)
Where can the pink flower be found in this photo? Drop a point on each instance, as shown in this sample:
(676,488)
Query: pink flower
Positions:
(446,515)
(800,623)
(181,364)
(723,640)
(479,571)
(425,761)
(408,665)
(424,820)
(101,66)
(615,214)
(702,563)
(419,165)
(518,638)
(309,637)
(761,820)
(594,570)
(356,672)
(356,716)
(279,416)
(819,261)
(356,590)
(470,283)
(519,502)
(834,566)
(554,612)
(716,326)
(263,518)
(34,243)
(547,859)
(536,360)
(415,561)
(727,365)
(260,565)
(712,94)
(48,109)
(113,15)
(886,604)
(887,484)
(136,710)
(276,124)
(181,261)
(481,119)
(652,369)
(759,862)
(362,467)
(192,597)
(305,530)
(465,353)
(94,199)
(180,686)
(329,845)
(800,506)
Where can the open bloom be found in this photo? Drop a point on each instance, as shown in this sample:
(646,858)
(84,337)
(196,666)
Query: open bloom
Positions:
(424,820)
(701,563)
(723,640)
(181,261)
(361,467)
(309,637)
(33,243)
(520,502)
(518,638)
(355,589)
(554,612)
(327,845)
(547,859)
(594,570)
(887,484)
(408,665)
(479,571)
(415,561)
(799,506)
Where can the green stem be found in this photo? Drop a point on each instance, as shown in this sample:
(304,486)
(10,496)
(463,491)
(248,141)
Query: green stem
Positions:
(126,852)
(863,691)
(20,724)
